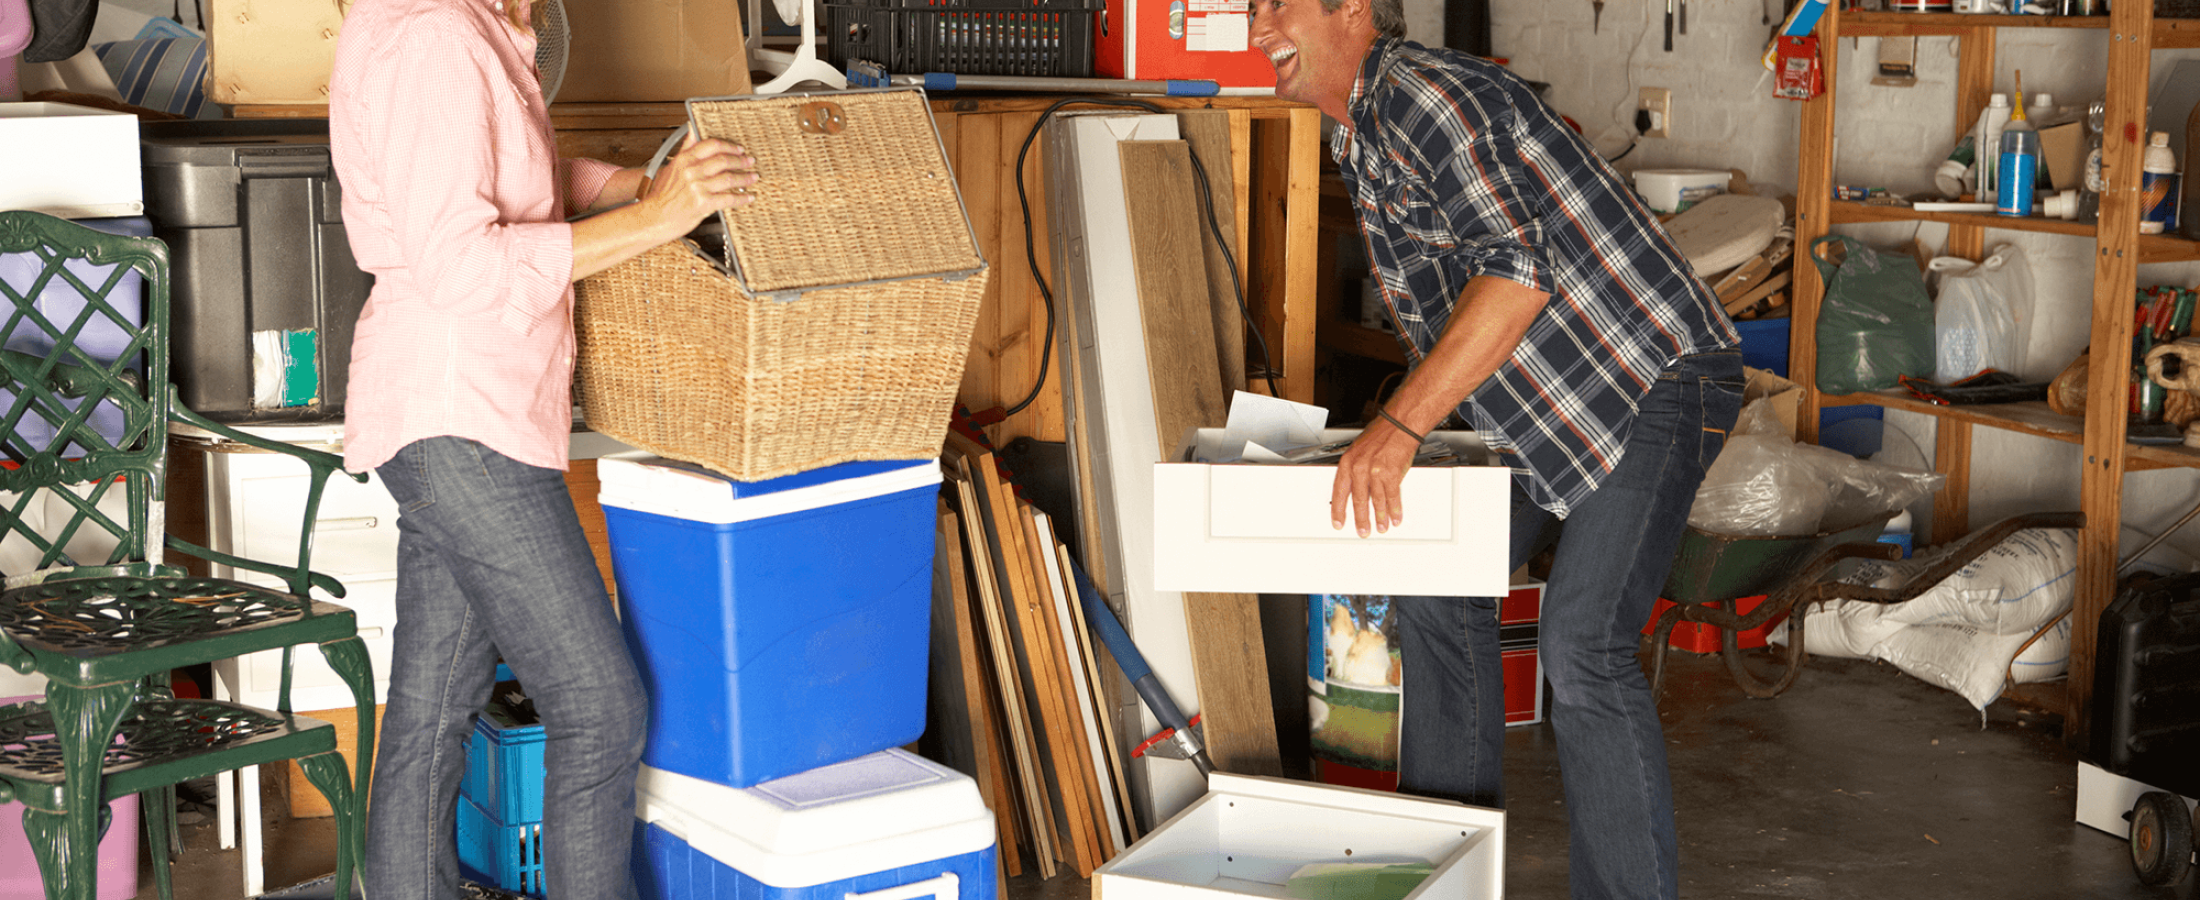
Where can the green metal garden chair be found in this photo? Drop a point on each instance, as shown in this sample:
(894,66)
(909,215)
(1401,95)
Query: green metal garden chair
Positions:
(85,406)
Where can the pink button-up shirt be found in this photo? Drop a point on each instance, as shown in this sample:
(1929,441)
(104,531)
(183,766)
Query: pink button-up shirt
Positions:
(454,199)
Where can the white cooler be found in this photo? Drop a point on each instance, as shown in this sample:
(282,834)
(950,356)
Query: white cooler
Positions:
(887,826)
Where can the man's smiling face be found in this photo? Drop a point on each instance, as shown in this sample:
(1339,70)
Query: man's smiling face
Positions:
(1316,52)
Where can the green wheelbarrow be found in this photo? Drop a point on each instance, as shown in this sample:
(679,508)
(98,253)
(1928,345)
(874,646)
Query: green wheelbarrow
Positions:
(1712,570)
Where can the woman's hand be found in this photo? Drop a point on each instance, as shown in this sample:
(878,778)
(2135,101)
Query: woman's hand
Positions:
(703,178)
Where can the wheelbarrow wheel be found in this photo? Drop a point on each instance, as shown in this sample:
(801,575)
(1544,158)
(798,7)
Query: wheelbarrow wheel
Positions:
(2161,839)
(1791,661)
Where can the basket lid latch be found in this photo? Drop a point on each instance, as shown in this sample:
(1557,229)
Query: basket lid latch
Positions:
(821,117)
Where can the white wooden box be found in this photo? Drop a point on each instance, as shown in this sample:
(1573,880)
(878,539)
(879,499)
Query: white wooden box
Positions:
(1248,834)
(1261,528)
(71,161)
(2105,798)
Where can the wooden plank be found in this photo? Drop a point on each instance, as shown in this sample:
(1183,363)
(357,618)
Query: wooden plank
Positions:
(1124,824)
(1208,133)
(1227,656)
(2115,270)
(581,482)
(1031,787)
(962,733)
(1108,839)
(1172,294)
(1952,503)
(1052,731)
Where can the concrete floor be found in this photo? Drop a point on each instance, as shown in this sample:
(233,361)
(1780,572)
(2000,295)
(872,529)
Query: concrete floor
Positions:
(1860,782)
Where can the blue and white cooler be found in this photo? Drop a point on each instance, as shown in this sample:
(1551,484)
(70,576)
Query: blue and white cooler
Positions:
(887,826)
(778,625)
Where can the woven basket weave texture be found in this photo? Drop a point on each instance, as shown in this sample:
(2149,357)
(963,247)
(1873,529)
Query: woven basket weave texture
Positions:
(682,360)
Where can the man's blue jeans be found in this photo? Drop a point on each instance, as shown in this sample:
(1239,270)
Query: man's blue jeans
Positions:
(492,560)
(1613,553)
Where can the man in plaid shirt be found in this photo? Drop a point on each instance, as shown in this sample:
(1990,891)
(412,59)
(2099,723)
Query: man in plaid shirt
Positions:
(1539,301)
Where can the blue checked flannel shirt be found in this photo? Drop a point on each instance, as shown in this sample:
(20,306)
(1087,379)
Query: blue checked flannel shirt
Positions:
(1456,169)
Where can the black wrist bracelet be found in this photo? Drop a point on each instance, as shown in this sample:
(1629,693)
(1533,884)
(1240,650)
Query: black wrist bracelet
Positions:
(1418,439)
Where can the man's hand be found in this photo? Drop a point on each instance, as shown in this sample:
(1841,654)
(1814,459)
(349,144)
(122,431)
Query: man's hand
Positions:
(1368,477)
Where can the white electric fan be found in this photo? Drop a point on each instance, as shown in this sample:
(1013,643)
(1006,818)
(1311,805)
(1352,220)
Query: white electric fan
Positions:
(801,65)
(552,39)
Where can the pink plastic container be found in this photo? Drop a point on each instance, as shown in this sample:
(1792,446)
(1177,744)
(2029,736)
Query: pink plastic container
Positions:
(118,852)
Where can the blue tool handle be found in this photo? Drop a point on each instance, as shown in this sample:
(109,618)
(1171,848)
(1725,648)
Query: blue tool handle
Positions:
(939,81)
(1127,657)
(1182,87)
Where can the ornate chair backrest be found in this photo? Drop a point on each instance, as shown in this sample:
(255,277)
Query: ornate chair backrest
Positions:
(84,397)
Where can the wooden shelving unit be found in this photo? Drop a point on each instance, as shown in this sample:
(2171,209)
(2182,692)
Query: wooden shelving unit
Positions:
(2133,34)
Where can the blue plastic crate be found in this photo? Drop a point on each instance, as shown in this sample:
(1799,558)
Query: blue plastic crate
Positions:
(504,766)
(1854,430)
(780,625)
(1765,344)
(491,852)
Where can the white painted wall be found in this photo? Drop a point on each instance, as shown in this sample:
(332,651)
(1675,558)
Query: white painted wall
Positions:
(1724,116)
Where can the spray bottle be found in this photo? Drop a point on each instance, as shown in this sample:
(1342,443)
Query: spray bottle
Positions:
(1990,123)
(2019,166)
(2089,195)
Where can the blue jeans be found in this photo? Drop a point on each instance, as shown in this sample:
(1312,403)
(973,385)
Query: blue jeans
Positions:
(492,560)
(1613,553)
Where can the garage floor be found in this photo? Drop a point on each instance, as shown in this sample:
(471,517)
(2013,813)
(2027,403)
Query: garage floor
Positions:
(1860,782)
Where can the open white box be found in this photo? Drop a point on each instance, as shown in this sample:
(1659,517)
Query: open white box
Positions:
(1262,528)
(1248,834)
(70,161)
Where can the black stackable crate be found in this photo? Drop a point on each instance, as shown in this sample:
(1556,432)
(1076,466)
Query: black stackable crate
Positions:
(2146,685)
(1038,38)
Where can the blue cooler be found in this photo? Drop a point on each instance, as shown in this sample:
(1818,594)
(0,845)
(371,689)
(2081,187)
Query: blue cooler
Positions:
(778,625)
(887,825)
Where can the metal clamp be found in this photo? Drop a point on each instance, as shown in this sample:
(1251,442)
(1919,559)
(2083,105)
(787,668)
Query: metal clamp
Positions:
(821,117)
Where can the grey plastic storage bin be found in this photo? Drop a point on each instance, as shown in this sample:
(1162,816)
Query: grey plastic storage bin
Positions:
(265,293)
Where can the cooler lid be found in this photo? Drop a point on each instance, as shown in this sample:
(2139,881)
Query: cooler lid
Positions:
(882,811)
(644,482)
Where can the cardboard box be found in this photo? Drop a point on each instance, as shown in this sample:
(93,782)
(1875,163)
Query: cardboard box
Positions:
(1248,834)
(271,52)
(71,161)
(306,801)
(2062,156)
(1181,39)
(1257,528)
(671,50)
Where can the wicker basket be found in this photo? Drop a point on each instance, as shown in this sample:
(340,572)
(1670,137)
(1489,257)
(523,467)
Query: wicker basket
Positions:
(836,326)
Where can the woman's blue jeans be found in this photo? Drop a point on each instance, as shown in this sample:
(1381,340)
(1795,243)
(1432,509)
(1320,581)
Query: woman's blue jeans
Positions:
(1613,553)
(492,561)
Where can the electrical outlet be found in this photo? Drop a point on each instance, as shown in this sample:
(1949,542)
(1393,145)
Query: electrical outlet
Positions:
(1658,102)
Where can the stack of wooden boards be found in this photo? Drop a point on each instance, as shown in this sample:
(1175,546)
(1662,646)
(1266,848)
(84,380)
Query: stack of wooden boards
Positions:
(1743,247)
(1024,698)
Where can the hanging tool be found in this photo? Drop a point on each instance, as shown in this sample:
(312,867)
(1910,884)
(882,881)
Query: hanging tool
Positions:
(869,74)
(1668,26)
(1177,732)
(1596,19)
(1684,16)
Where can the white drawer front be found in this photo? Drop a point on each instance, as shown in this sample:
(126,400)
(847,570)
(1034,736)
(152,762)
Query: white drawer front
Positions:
(260,499)
(313,685)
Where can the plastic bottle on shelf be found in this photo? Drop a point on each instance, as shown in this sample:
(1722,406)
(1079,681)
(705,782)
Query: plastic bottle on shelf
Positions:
(2158,186)
(1990,123)
(2089,193)
(1951,177)
(2040,106)
(2018,167)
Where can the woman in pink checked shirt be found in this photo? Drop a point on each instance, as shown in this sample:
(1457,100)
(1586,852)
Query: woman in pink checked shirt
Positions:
(460,400)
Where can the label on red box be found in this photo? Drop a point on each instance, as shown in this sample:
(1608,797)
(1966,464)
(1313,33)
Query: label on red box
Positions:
(1155,39)
(1523,685)
(1523,605)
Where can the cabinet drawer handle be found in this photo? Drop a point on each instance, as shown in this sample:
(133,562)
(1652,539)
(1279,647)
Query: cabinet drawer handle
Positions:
(355,523)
